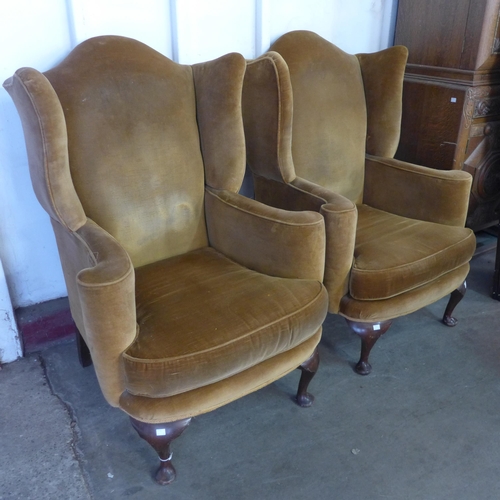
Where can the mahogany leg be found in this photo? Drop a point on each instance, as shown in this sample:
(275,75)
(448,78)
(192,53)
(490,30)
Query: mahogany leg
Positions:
(369,333)
(455,297)
(308,369)
(83,350)
(159,436)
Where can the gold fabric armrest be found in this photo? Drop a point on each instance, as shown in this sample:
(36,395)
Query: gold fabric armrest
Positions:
(106,293)
(341,218)
(417,192)
(340,226)
(338,201)
(299,194)
(269,240)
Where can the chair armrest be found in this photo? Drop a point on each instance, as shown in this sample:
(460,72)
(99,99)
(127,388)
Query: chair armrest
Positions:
(326,196)
(417,192)
(340,215)
(106,292)
(341,218)
(269,240)
(297,195)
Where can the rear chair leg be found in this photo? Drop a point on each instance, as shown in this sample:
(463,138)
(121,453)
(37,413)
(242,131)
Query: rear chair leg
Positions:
(369,333)
(159,436)
(308,369)
(455,297)
(83,350)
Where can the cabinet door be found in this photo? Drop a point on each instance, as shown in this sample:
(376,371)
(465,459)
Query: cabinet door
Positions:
(430,125)
(433,30)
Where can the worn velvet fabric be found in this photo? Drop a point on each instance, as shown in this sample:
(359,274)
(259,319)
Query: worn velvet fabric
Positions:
(415,253)
(207,398)
(186,293)
(113,130)
(329,118)
(233,326)
(321,129)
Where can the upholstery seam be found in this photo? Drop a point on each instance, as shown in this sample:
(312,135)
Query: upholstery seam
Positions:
(286,223)
(407,290)
(130,268)
(228,343)
(278,81)
(107,283)
(45,162)
(307,192)
(382,161)
(394,296)
(402,266)
(234,374)
(228,400)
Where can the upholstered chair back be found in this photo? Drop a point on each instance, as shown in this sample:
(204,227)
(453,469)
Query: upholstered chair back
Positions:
(130,146)
(340,111)
(329,114)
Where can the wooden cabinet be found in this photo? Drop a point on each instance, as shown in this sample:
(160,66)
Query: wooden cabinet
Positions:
(451,94)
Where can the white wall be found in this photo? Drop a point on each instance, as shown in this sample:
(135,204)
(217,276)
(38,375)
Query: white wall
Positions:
(41,33)
(10,344)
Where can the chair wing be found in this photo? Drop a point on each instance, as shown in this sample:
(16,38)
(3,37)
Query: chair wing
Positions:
(382,74)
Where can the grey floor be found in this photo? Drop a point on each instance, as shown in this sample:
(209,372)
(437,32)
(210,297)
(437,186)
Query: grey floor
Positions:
(424,425)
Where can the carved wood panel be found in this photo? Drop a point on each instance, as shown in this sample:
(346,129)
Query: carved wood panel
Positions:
(451,96)
(483,162)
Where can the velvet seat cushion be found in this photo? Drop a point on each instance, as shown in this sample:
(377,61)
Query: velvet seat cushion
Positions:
(394,254)
(202,318)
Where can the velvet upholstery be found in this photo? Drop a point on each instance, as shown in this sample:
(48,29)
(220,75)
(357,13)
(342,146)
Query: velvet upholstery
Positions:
(225,333)
(187,294)
(321,129)
(139,137)
(210,397)
(415,253)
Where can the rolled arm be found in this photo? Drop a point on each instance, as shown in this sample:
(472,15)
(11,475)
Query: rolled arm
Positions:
(417,192)
(340,225)
(299,194)
(341,218)
(106,292)
(340,215)
(269,240)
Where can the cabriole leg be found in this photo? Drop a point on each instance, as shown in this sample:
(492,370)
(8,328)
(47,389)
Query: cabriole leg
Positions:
(455,297)
(308,369)
(159,436)
(83,350)
(369,334)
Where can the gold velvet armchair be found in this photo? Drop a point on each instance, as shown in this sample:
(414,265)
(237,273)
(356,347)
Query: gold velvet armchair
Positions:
(187,294)
(322,127)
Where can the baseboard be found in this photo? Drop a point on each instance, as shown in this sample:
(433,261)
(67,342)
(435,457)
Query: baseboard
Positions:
(45,324)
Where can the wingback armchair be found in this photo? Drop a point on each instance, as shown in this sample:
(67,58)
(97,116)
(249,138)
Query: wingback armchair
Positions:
(186,294)
(322,127)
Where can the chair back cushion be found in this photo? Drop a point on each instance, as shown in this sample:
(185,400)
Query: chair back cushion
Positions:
(133,145)
(329,112)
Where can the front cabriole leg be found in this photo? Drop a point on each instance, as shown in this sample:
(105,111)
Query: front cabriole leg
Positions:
(455,297)
(159,436)
(308,369)
(369,334)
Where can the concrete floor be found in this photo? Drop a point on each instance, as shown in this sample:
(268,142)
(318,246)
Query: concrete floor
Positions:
(424,425)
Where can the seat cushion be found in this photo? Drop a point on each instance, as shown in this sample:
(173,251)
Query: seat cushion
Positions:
(394,254)
(203,318)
